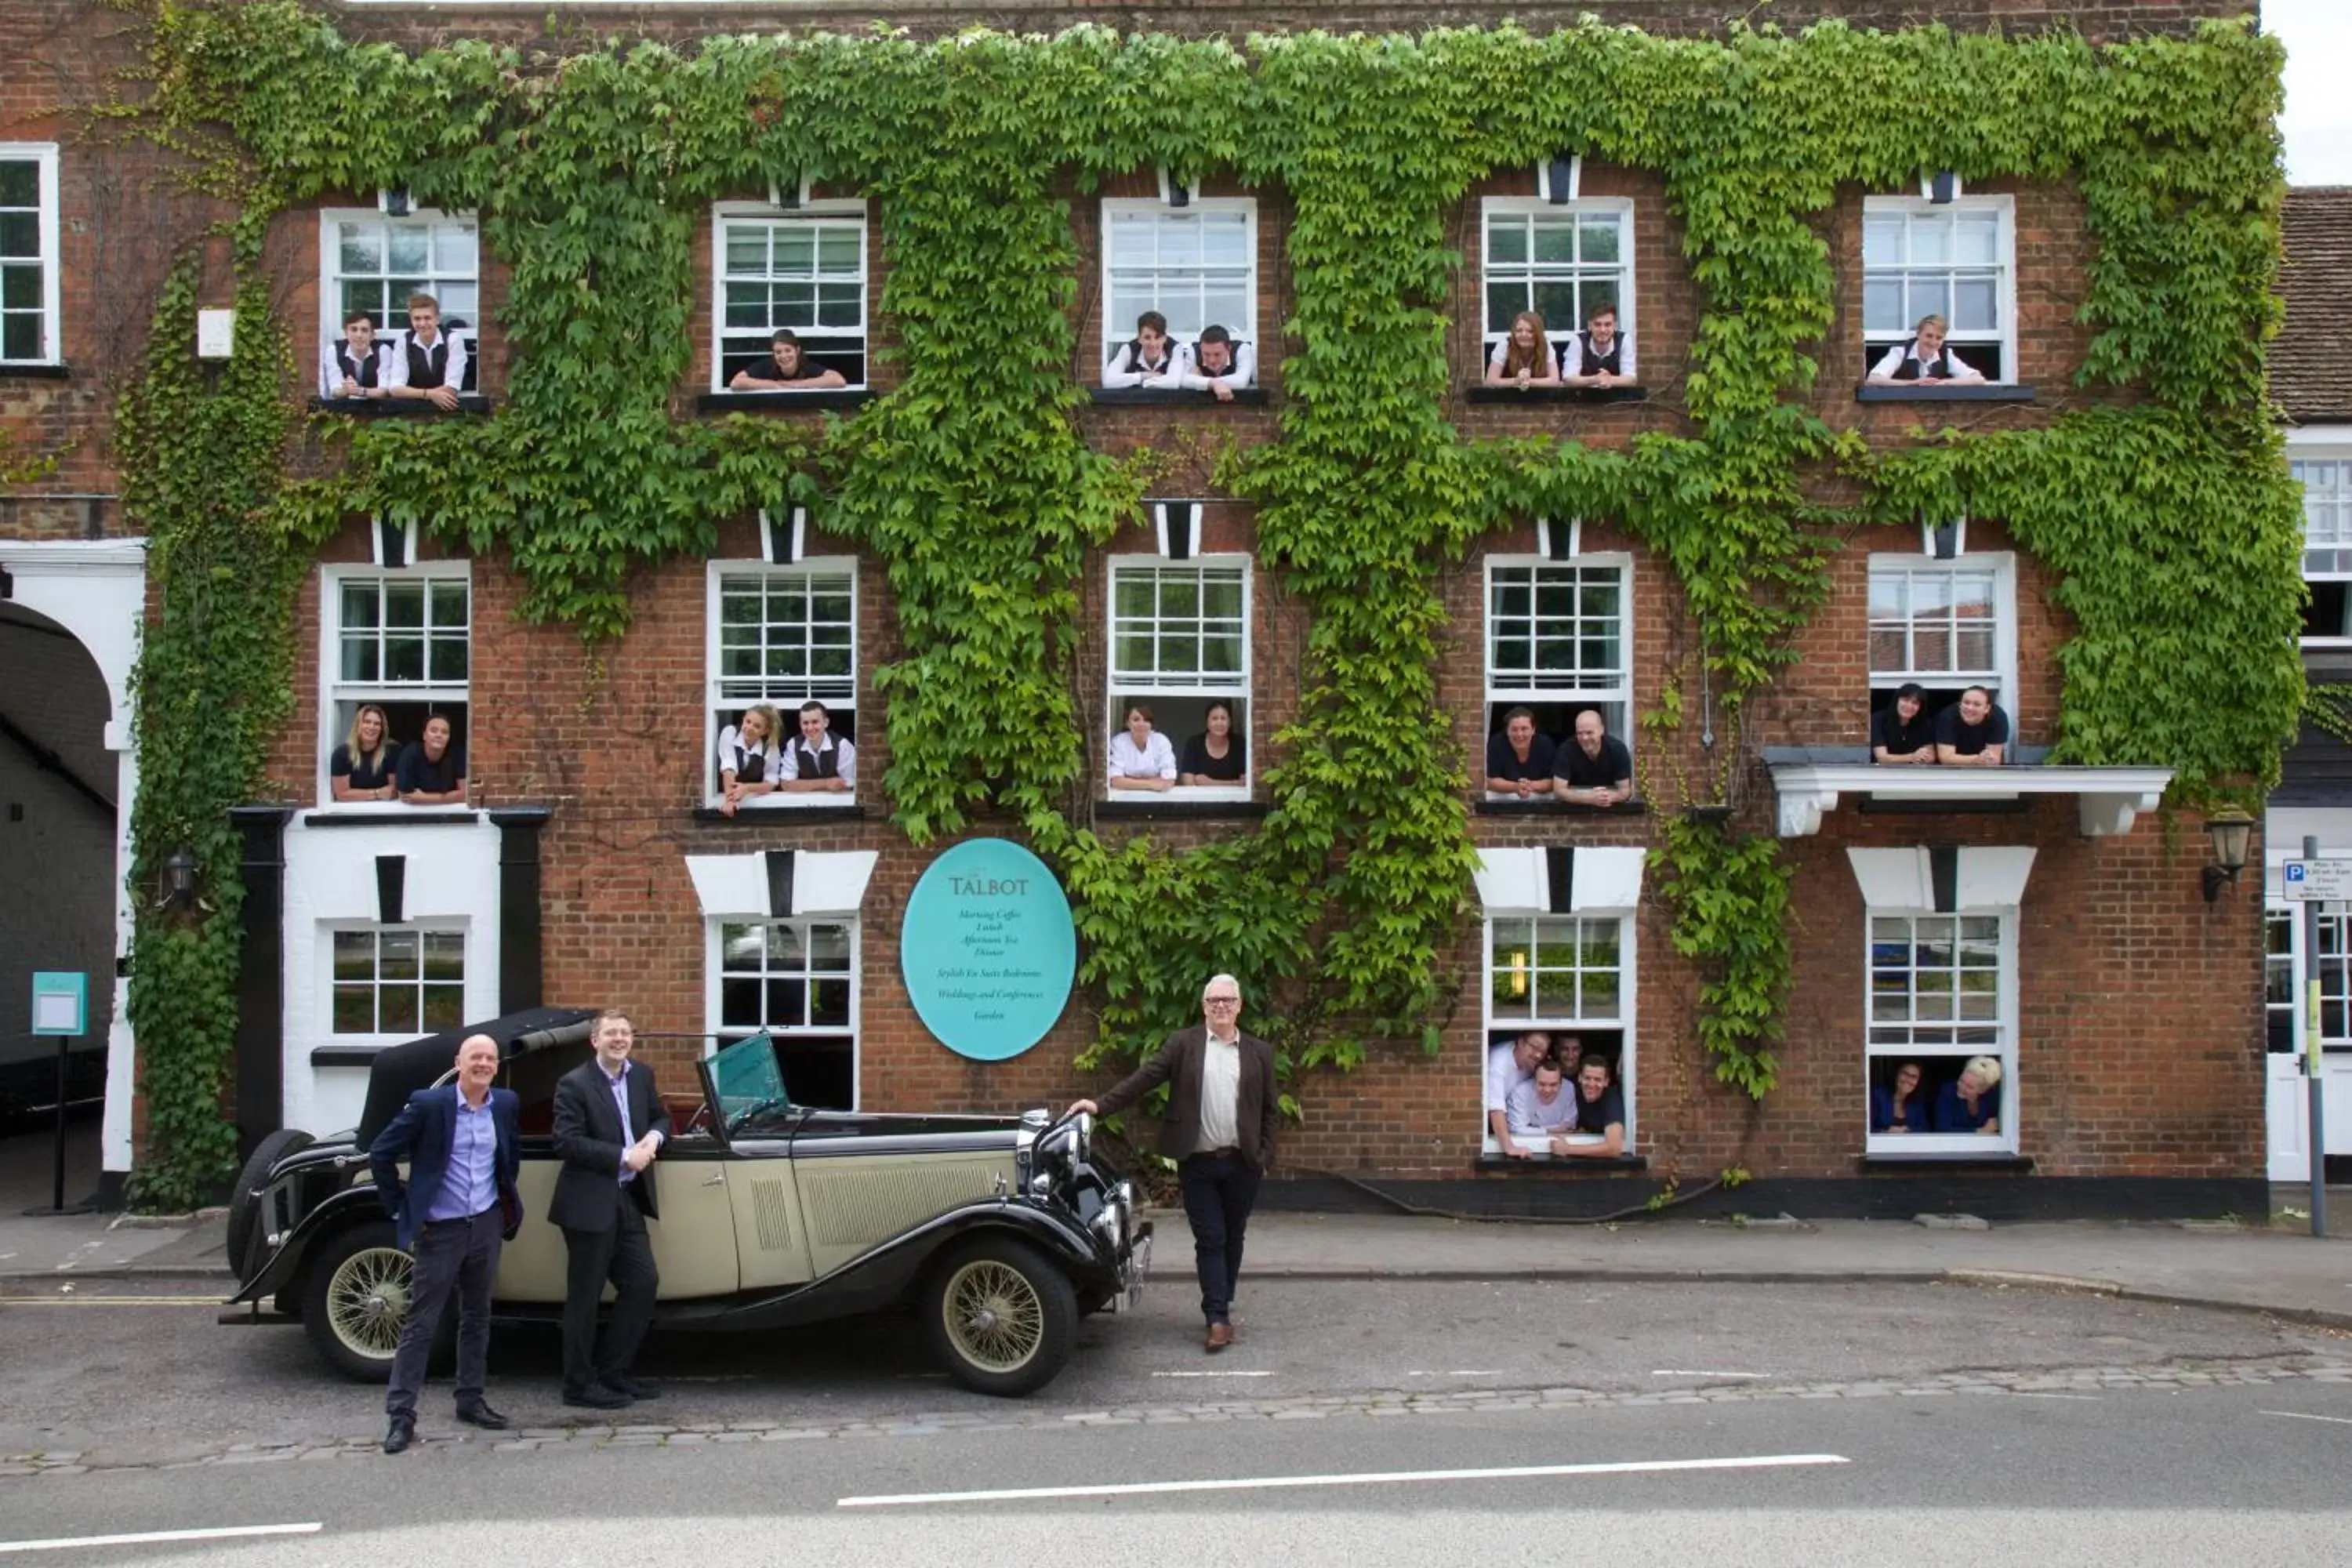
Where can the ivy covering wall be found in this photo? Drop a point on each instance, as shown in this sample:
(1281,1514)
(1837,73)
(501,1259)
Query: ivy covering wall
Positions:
(2167,518)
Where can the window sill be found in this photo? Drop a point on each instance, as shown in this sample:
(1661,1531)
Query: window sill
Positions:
(1934,1160)
(344,1055)
(829,811)
(782,402)
(1503,806)
(1556,1165)
(1173,806)
(1971,393)
(28,372)
(1177,396)
(399,407)
(389,815)
(1480,392)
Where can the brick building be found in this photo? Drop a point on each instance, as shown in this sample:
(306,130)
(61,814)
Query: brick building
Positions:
(2044,905)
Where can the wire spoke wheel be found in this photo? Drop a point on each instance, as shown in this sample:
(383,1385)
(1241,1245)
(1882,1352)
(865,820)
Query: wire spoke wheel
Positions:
(367,1300)
(993,1315)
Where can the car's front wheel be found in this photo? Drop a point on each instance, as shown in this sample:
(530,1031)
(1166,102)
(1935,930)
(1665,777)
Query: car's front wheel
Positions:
(1001,1316)
(356,1298)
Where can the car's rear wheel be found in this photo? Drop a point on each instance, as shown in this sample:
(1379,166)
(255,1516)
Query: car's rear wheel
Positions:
(356,1300)
(1001,1316)
(245,1197)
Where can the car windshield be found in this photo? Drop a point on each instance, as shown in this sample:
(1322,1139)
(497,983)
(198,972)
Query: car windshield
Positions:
(748,1082)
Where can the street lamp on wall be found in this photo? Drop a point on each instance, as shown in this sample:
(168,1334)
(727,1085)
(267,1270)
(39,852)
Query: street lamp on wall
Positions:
(179,879)
(2231,830)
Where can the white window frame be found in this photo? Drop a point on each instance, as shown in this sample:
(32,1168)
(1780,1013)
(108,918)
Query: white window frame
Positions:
(44,155)
(333,690)
(714,969)
(393,328)
(1117,330)
(331,930)
(2001,675)
(1623,1023)
(2330,561)
(831,211)
(1238,689)
(715,698)
(2004,336)
(1558,332)
(2004,1025)
(1618,698)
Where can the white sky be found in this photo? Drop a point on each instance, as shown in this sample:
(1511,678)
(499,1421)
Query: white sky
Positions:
(2317,123)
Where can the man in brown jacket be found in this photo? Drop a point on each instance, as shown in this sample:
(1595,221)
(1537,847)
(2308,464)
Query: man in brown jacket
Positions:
(1219,1128)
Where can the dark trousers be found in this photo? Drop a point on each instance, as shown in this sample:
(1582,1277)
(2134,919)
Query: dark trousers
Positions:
(1219,1190)
(623,1255)
(460,1256)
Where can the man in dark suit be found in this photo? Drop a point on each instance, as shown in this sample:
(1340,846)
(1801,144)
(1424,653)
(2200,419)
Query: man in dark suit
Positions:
(609,1125)
(458,1208)
(1222,1112)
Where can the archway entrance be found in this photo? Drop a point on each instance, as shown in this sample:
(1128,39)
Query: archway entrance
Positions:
(69,617)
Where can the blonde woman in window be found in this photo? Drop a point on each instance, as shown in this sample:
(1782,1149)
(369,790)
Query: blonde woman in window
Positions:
(749,763)
(1524,358)
(1972,1103)
(1925,361)
(363,766)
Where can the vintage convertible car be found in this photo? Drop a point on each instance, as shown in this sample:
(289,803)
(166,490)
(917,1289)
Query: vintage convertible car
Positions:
(1000,1232)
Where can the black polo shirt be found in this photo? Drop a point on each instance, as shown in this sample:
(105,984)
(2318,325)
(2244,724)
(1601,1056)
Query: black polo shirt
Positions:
(1887,731)
(1971,740)
(1614,766)
(1502,763)
(1596,1115)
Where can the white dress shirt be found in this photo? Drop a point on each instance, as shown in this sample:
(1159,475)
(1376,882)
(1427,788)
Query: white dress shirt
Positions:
(330,369)
(1242,371)
(1221,1094)
(1530,1117)
(844,763)
(1504,1075)
(1892,361)
(1119,371)
(453,372)
(1157,760)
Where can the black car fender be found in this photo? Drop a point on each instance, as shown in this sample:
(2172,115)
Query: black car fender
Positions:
(888,1274)
(350,1206)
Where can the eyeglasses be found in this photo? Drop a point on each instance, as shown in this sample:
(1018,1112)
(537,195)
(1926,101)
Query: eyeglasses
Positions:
(1223,1001)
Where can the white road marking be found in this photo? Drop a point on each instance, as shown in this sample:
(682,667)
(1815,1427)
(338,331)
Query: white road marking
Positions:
(1687,1372)
(156,1537)
(1370,1478)
(2301,1416)
(1213,1375)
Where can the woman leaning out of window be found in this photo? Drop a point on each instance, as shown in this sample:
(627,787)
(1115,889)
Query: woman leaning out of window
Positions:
(1140,756)
(1524,358)
(749,761)
(361,767)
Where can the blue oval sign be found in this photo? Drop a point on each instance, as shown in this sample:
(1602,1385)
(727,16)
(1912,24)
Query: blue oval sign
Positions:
(988,949)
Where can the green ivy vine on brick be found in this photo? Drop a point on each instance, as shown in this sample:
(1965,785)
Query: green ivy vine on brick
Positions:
(2163,511)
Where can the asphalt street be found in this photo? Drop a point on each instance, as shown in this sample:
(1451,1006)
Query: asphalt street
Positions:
(127,1374)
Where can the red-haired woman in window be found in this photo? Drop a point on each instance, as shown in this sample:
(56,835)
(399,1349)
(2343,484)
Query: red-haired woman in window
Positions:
(1524,357)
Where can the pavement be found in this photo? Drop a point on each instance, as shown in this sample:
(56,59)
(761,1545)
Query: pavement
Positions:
(2285,1273)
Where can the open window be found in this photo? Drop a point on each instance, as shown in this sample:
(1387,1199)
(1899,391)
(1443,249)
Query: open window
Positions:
(1955,259)
(1558,644)
(30,284)
(372,262)
(1180,646)
(2325,475)
(801,271)
(780,637)
(1571,977)
(398,641)
(797,980)
(1946,625)
(1566,261)
(1195,265)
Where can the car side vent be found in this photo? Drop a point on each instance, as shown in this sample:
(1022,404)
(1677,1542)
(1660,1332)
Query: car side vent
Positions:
(771,1213)
(861,1206)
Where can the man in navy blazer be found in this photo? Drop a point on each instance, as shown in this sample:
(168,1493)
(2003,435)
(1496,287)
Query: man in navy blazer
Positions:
(456,1211)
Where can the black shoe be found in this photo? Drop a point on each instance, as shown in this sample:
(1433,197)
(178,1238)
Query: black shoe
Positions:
(482,1415)
(595,1396)
(634,1388)
(400,1434)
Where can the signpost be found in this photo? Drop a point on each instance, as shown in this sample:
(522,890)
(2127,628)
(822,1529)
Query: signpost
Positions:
(2312,881)
(60,1007)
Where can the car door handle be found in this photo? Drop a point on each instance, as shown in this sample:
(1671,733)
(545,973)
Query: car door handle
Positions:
(717,1181)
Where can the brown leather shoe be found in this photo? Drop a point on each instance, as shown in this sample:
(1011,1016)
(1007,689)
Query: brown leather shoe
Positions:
(1220,1336)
